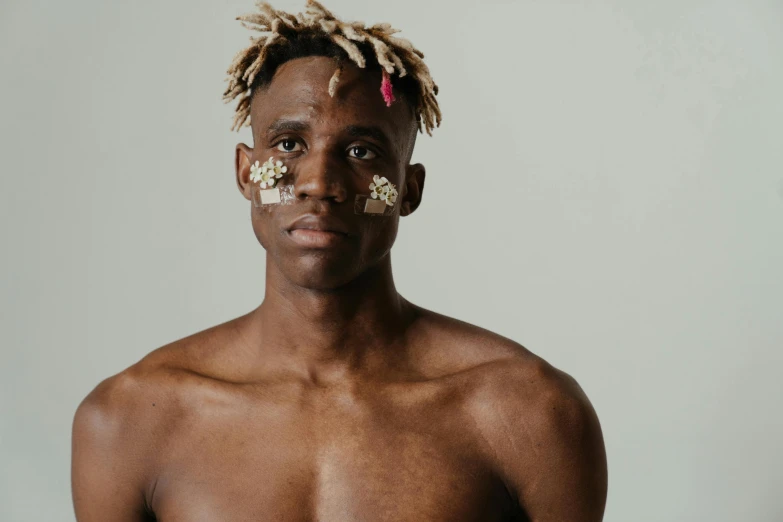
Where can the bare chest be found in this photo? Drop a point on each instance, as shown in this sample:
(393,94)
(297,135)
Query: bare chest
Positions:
(328,458)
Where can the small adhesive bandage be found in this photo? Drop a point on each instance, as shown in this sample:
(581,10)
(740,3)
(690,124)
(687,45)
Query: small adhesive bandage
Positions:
(279,195)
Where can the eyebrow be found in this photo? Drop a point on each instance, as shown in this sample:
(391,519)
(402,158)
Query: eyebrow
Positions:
(358,131)
(287,125)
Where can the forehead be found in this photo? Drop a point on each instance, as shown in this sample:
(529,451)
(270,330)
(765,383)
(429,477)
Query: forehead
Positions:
(299,90)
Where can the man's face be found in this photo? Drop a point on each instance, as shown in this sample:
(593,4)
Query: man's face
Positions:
(332,147)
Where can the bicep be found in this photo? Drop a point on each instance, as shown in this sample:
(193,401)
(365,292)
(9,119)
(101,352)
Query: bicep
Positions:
(564,478)
(104,483)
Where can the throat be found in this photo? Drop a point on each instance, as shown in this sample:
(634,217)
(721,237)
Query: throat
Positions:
(327,334)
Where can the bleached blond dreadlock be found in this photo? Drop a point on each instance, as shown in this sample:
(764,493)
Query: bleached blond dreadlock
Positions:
(327,35)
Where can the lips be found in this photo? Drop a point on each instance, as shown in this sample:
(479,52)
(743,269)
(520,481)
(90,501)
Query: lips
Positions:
(312,231)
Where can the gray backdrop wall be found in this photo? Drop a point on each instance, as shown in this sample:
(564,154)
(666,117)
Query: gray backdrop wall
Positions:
(629,230)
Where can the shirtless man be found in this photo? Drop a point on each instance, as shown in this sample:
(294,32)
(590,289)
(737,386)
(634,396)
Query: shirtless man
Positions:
(336,399)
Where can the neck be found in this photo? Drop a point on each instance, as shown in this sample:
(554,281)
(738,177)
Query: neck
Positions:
(350,325)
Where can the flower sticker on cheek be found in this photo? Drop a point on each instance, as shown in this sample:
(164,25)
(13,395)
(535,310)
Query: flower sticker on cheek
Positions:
(383,190)
(266,175)
(383,196)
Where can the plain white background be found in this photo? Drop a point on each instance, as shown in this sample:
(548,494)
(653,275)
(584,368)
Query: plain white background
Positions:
(606,188)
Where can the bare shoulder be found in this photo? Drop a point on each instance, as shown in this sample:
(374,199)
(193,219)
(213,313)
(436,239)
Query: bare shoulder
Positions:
(500,363)
(528,408)
(157,380)
(540,430)
(491,360)
(115,424)
(502,372)
(129,417)
(113,459)
(545,440)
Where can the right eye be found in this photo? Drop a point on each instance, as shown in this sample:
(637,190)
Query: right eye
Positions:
(287,145)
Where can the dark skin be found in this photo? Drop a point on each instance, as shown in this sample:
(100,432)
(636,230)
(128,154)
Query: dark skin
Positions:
(336,399)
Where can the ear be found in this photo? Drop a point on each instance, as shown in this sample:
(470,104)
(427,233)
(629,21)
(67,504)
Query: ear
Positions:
(242,168)
(414,186)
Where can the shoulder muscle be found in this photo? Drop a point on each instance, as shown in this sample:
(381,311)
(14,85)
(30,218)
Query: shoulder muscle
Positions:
(547,441)
(108,464)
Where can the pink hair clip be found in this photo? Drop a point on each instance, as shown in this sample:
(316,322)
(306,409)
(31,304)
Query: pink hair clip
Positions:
(386,89)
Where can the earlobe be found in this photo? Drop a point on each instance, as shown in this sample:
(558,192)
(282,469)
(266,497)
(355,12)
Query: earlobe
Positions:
(414,187)
(242,169)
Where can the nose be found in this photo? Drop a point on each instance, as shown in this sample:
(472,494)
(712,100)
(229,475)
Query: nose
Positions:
(319,175)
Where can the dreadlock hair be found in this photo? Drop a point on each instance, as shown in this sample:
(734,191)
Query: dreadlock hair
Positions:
(318,32)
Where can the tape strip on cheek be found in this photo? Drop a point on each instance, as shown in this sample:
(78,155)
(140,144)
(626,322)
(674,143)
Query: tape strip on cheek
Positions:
(271,197)
(366,205)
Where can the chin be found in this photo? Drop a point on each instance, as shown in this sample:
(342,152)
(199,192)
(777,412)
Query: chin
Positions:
(319,272)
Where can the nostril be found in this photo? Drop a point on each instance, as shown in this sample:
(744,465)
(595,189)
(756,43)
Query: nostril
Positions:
(323,184)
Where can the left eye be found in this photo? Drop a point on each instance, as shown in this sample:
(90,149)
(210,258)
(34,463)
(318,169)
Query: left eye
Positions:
(287,146)
(361,153)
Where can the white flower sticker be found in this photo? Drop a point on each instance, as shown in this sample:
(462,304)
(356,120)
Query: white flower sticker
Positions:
(278,168)
(267,179)
(381,189)
(391,197)
(268,173)
(255,172)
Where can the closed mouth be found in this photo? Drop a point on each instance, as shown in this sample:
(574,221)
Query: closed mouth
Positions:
(312,231)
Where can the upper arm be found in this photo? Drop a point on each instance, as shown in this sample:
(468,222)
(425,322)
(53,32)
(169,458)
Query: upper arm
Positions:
(568,477)
(106,472)
(551,450)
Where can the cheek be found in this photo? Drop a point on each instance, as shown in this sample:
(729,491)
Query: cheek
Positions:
(263,226)
(379,234)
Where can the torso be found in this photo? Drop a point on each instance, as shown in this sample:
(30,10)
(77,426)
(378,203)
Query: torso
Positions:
(402,447)
(396,452)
